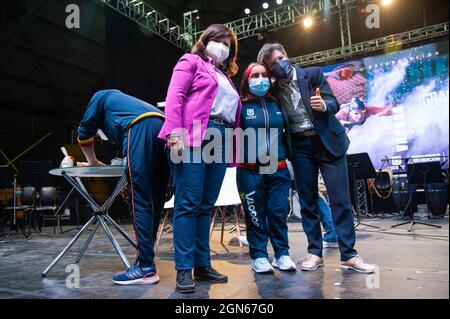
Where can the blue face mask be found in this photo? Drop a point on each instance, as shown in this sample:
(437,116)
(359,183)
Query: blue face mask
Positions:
(259,87)
(282,69)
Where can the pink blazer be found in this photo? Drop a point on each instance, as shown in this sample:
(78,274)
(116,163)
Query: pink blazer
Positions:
(190,97)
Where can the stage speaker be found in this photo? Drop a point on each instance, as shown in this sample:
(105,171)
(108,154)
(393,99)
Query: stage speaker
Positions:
(404,197)
(437,195)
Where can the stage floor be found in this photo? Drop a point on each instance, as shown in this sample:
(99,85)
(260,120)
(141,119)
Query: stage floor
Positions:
(411,265)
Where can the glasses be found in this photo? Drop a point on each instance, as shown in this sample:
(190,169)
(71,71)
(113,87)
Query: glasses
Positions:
(345,73)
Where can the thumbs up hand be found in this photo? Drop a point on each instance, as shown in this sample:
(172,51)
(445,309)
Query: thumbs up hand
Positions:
(317,103)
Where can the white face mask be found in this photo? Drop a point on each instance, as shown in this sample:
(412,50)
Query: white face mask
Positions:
(217,51)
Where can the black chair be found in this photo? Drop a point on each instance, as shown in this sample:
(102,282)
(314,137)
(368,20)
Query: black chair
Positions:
(382,184)
(383,181)
(27,203)
(47,204)
(2,219)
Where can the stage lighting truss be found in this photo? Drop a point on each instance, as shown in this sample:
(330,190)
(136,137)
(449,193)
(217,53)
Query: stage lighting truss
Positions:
(361,199)
(288,15)
(271,20)
(149,18)
(395,41)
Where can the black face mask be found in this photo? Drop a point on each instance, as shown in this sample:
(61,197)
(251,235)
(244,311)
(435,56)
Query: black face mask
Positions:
(282,70)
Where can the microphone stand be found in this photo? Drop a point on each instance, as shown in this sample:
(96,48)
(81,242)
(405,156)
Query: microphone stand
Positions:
(14,200)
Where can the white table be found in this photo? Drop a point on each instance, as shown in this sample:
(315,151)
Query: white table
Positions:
(100,215)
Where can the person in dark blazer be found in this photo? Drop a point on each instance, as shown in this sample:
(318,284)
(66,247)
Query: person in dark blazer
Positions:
(317,142)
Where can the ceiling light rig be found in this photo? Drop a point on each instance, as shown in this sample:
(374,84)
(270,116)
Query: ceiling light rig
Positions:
(308,22)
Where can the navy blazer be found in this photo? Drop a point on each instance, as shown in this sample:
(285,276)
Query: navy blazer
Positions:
(331,131)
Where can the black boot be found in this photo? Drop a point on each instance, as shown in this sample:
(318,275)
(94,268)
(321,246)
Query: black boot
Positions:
(185,284)
(209,274)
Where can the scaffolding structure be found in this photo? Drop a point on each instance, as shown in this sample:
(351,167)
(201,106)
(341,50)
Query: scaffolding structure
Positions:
(361,198)
(395,41)
(288,15)
(275,19)
(152,20)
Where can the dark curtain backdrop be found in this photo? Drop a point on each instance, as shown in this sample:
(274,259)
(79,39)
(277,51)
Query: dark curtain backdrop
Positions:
(139,63)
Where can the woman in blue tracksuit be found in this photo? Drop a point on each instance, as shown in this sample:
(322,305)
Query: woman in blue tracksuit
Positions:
(263,177)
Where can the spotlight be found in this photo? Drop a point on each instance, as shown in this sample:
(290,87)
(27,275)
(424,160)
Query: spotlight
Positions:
(247,11)
(387,2)
(279,2)
(308,22)
(265,5)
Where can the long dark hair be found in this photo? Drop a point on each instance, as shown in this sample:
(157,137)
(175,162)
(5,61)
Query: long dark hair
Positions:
(214,33)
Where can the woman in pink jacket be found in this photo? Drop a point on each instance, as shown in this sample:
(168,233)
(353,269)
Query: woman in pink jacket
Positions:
(202,103)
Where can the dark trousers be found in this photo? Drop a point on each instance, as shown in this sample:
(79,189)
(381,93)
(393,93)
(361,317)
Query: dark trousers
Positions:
(148,176)
(197,187)
(266,204)
(310,155)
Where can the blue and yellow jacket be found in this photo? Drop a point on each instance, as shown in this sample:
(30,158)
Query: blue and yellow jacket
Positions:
(263,113)
(113,112)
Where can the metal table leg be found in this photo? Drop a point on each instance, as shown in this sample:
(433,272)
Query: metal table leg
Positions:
(119,187)
(120,230)
(88,241)
(63,203)
(64,251)
(100,213)
(114,243)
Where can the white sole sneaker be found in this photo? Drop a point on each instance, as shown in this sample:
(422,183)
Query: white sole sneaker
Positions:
(269,271)
(330,244)
(312,269)
(358,270)
(140,281)
(243,240)
(276,265)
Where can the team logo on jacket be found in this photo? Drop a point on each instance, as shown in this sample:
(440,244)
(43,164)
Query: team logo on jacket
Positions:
(251,114)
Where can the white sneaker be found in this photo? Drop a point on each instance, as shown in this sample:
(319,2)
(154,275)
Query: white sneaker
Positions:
(312,262)
(262,266)
(358,264)
(243,240)
(330,244)
(284,263)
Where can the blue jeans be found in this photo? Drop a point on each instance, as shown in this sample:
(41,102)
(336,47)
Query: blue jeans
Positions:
(327,221)
(197,187)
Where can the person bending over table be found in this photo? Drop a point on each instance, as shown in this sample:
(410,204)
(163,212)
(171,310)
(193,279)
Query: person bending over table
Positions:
(132,126)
